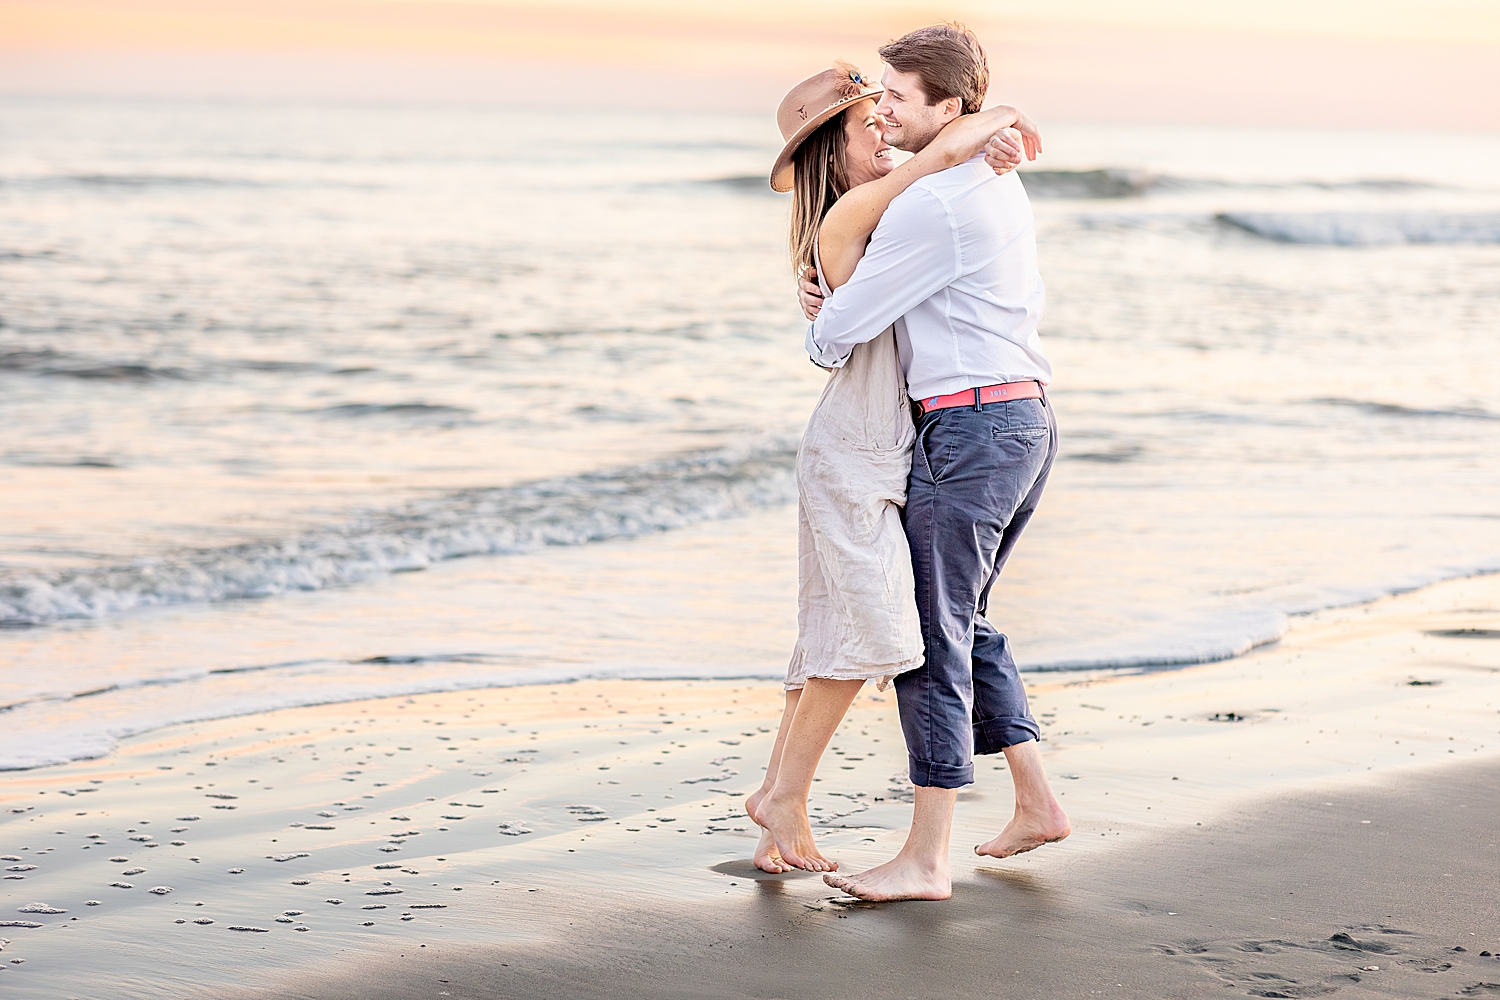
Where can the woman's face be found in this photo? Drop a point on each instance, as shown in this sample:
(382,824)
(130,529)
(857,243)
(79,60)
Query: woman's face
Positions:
(867,154)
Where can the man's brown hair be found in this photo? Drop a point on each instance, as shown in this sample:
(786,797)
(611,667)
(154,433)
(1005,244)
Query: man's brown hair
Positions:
(949,61)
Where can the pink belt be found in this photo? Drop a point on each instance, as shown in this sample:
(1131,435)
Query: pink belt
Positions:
(984,394)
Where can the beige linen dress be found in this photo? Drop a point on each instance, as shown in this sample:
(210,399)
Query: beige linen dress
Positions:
(856,601)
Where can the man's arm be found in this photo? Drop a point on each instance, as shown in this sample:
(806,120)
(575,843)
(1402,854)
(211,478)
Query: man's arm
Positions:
(847,227)
(1002,154)
(913,253)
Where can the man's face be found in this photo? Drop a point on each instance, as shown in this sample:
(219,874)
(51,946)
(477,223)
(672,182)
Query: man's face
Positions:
(910,122)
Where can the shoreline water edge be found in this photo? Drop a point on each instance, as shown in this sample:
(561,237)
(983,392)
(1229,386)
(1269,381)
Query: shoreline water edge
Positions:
(312,681)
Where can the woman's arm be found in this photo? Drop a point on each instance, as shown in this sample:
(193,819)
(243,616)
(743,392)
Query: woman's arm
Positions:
(846,229)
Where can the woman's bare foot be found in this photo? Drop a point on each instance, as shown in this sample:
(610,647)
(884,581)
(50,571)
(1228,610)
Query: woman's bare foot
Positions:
(788,826)
(899,878)
(1027,830)
(767,857)
(752,804)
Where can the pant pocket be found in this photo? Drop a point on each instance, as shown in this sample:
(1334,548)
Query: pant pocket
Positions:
(922,449)
(1029,437)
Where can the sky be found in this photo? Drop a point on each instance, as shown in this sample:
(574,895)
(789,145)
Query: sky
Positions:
(1433,65)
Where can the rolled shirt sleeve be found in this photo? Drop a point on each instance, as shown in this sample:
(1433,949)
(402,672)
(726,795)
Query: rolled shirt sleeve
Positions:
(913,254)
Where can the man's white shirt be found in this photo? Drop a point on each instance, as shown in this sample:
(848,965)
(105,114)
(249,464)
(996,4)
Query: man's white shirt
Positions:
(953,266)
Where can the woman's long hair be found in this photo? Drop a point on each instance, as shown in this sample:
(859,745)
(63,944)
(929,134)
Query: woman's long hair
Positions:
(820,178)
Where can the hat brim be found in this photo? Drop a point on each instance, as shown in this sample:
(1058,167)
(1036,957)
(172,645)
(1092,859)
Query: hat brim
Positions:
(781,172)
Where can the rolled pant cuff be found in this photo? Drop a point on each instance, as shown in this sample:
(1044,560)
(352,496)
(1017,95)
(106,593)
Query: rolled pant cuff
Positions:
(994,735)
(931,774)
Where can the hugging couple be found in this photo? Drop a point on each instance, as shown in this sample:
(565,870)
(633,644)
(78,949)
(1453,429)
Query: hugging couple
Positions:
(927,452)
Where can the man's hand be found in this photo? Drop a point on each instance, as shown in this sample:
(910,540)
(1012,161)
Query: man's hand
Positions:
(809,294)
(1002,153)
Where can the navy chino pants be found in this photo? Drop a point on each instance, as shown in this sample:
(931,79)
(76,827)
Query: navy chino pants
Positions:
(976,478)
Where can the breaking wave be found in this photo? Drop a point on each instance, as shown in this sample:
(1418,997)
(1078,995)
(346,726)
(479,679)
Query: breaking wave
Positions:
(1367,228)
(53,363)
(567,510)
(135,182)
(1396,410)
(751,184)
(1111,182)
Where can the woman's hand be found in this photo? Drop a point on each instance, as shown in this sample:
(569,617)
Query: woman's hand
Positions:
(809,294)
(1002,153)
(1030,137)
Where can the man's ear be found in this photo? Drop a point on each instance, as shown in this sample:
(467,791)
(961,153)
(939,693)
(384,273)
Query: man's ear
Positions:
(953,107)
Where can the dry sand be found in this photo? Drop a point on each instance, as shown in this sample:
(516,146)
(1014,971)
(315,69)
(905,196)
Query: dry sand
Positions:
(1272,825)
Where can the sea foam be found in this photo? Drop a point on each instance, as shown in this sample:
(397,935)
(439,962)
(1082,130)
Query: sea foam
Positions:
(567,510)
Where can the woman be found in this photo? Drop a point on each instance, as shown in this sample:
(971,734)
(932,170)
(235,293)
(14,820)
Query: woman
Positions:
(857,615)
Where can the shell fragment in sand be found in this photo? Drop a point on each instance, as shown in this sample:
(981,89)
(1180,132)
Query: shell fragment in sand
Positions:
(588,814)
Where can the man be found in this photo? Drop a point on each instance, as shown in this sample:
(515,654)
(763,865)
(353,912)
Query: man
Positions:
(953,266)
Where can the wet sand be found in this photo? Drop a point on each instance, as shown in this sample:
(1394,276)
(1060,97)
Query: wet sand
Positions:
(1389,892)
(1273,825)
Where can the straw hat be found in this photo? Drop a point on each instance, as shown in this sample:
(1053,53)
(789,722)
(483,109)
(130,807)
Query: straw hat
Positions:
(811,103)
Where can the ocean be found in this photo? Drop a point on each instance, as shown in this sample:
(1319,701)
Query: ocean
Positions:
(307,403)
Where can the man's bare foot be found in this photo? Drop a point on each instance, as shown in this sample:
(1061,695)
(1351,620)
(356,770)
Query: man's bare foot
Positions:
(787,823)
(899,878)
(767,857)
(1028,830)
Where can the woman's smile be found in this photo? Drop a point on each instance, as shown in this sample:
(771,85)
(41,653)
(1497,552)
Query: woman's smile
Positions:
(868,154)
